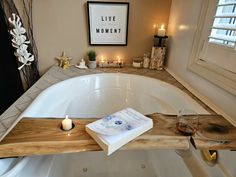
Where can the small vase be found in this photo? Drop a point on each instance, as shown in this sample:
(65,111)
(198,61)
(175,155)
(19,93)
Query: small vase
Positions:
(92,64)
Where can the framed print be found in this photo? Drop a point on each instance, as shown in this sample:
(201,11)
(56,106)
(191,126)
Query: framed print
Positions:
(108,22)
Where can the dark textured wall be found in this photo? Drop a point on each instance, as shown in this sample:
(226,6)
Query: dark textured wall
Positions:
(10,81)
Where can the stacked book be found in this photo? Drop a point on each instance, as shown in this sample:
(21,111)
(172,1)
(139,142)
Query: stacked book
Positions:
(113,131)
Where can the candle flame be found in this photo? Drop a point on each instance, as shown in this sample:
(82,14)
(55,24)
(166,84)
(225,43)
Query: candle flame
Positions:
(118,59)
(162,26)
(102,59)
(68,134)
(67,117)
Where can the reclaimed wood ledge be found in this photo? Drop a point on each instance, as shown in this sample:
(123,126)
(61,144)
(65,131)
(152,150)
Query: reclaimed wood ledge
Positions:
(35,136)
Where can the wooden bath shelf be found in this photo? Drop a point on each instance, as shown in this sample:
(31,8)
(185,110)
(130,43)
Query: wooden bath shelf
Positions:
(34,136)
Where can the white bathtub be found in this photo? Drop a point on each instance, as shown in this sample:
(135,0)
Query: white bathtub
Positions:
(98,95)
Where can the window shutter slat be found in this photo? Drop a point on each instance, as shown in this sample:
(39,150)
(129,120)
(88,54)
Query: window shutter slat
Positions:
(226,4)
(225,15)
(225,27)
(223,37)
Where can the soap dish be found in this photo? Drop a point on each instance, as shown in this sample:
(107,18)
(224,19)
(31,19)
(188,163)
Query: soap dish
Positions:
(81,67)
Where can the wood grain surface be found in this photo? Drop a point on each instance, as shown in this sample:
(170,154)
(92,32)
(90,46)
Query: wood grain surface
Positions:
(35,136)
(214,133)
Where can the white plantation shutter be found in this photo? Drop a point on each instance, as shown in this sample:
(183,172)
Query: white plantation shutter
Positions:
(224,25)
(213,54)
(220,35)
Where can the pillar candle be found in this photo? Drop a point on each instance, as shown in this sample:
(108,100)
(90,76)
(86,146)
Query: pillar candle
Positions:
(161,31)
(66,124)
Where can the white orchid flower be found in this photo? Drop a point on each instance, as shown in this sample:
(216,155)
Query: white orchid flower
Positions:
(23,52)
(15,20)
(19,41)
(30,59)
(21,59)
(24,47)
(26,60)
(19,30)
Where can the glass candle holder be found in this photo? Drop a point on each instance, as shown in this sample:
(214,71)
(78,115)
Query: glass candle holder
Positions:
(137,63)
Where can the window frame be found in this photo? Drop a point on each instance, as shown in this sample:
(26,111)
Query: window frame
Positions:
(213,73)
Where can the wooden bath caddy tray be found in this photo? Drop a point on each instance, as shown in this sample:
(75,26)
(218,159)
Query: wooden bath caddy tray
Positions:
(34,136)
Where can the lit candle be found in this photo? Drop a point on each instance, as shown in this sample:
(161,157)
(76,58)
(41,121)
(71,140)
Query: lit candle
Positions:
(161,31)
(102,59)
(102,62)
(119,60)
(66,123)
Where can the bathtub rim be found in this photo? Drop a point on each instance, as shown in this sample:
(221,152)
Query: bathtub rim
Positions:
(92,75)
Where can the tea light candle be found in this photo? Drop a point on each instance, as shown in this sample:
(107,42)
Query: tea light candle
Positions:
(119,60)
(161,31)
(102,59)
(102,62)
(66,123)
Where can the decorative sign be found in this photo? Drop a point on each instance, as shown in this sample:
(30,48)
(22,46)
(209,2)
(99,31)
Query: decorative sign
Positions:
(108,22)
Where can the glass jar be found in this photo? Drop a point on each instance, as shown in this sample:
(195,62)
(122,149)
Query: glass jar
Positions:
(137,63)
(146,61)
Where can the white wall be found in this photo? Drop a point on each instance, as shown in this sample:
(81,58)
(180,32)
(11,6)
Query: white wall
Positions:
(181,29)
(62,25)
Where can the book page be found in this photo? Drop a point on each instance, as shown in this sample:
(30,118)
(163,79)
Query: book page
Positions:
(119,122)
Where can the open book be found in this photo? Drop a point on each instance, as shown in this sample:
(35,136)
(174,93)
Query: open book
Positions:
(113,131)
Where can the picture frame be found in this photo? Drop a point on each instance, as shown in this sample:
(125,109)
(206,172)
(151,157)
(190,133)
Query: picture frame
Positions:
(108,23)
